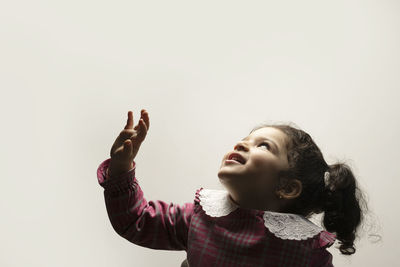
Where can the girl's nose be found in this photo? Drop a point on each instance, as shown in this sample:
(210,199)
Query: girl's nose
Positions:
(241,146)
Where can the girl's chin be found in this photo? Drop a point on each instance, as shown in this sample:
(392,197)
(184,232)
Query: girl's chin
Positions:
(230,172)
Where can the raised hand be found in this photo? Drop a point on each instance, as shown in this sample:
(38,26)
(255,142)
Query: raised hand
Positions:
(127,144)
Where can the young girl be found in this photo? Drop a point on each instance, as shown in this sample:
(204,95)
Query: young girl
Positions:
(276,178)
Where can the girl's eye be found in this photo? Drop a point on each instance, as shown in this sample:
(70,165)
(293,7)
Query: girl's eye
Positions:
(265,144)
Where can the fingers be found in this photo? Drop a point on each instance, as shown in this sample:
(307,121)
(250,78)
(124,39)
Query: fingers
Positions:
(129,122)
(142,131)
(146,119)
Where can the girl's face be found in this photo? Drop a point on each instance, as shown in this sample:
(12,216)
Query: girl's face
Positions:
(253,184)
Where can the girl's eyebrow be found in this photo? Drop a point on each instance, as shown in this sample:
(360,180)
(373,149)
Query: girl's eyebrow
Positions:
(266,138)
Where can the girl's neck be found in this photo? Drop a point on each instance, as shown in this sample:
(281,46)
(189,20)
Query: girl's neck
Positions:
(275,206)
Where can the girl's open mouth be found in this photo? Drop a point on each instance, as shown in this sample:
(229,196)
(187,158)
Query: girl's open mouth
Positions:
(233,161)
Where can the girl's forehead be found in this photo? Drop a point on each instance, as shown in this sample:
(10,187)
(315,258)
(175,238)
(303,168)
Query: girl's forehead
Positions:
(269,132)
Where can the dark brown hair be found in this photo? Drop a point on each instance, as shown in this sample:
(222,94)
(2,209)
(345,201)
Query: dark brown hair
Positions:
(343,206)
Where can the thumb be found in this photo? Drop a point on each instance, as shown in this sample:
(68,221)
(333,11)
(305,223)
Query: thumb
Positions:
(127,147)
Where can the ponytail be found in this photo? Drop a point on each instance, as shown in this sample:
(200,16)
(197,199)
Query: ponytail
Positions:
(343,206)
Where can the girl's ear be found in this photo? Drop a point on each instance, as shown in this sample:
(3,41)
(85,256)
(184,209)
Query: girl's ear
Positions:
(291,189)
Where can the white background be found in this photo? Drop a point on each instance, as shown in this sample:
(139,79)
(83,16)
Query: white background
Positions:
(207,72)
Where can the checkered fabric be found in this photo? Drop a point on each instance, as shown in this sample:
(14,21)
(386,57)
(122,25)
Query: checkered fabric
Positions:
(237,239)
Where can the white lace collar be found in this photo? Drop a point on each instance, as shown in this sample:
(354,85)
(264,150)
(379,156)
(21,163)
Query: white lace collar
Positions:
(217,203)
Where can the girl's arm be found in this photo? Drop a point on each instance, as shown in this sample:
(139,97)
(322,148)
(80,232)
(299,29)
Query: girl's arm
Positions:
(151,224)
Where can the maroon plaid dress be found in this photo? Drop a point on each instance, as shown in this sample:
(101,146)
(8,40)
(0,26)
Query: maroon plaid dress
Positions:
(239,238)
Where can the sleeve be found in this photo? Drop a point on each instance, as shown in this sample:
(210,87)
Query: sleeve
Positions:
(152,224)
(326,239)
